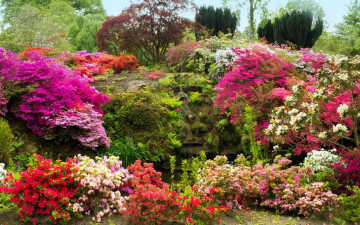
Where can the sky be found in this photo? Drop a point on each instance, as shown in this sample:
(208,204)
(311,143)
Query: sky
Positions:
(334,9)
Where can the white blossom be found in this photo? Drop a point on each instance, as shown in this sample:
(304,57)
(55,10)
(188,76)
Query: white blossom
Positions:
(342,109)
(339,127)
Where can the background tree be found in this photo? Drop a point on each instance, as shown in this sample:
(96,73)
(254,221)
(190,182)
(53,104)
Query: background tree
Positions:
(254,6)
(148,26)
(82,7)
(33,27)
(216,20)
(295,28)
(303,5)
(82,32)
(349,29)
(266,29)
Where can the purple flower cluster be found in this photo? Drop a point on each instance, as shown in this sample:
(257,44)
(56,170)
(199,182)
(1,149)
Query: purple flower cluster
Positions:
(55,97)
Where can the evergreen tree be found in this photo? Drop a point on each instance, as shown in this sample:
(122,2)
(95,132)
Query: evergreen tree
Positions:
(216,20)
(295,28)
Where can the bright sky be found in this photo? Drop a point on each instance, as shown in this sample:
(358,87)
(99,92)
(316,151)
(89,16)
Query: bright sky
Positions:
(334,9)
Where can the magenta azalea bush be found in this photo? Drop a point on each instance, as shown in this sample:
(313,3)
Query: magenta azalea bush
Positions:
(52,99)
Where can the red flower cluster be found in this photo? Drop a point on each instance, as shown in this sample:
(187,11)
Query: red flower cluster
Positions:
(44,189)
(40,50)
(89,64)
(153,203)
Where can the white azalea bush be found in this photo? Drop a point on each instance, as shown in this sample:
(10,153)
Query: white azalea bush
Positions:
(321,110)
(3,172)
(106,183)
(319,160)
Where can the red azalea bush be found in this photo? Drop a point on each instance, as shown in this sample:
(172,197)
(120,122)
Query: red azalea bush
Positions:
(40,50)
(178,55)
(155,75)
(347,172)
(98,63)
(153,203)
(51,98)
(45,189)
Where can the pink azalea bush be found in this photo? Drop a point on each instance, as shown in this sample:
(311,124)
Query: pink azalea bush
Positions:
(271,185)
(52,98)
(3,102)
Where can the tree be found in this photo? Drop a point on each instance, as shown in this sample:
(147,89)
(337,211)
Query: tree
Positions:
(295,28)
(216,20)
(83,7)
(254,6)
(82,32)
(349,30)
(148,26)
(33,27)
(266,29)
(303,5)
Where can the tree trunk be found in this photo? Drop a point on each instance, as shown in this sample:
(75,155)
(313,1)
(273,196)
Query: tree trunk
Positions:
(251,20)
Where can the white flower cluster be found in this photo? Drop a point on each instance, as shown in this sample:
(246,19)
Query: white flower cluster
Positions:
(311,107)
(322,135)
(343,76)
(339,59)
(342,109)
(318,160)
(296,118)
(224,57)
(103,179)
(339,127)
(3,172)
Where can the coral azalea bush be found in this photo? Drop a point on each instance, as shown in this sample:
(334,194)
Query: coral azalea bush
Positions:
(52,99)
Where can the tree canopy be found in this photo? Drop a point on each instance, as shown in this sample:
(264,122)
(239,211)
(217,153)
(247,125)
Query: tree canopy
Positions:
(217,20)
(148,26)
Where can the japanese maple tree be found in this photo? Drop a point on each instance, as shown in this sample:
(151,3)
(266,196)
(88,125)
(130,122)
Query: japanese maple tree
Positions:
(148,26)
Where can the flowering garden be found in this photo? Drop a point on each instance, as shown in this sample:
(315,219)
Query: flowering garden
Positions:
(238,125)
(286,102)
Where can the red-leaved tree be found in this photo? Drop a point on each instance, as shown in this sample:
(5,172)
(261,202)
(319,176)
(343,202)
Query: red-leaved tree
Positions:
(148,26)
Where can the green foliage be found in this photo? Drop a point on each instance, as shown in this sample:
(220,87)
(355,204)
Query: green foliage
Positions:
(172,167)
(167,81)
(174,142)
(5,202)
(6,137)
(195,98)
(351,205)
(185,175)
(146,118)
(295,28)
(249,128)
(216,20)
(82,32)
(127,151)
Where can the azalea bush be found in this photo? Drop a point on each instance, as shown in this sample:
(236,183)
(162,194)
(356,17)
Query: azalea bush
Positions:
(347,171)
(45,190)
(54,101)
(3,172)
(153,203)
(270,185)
(98,63)
(324,110)
(199,56)
(104,184)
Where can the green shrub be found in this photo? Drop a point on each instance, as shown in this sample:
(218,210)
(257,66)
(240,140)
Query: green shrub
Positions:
(195,98)
(127,151)
(351,205)
(6,137)
(142,116)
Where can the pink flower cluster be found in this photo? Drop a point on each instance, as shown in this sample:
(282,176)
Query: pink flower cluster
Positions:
(46,91)
(271,185)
